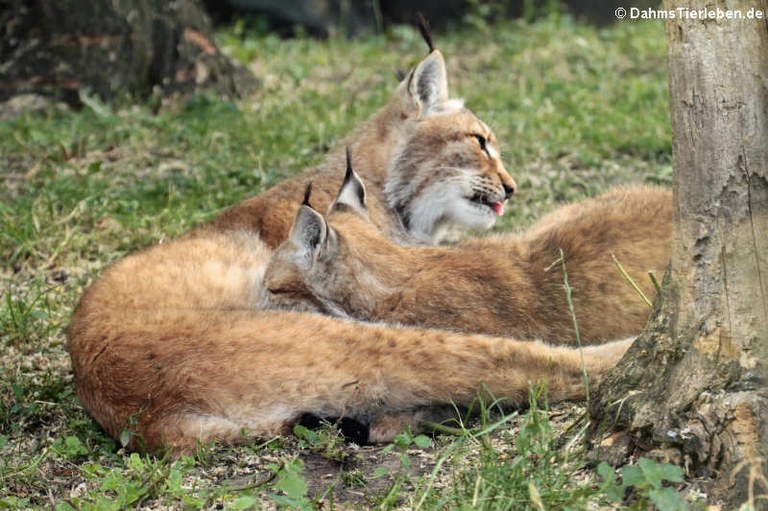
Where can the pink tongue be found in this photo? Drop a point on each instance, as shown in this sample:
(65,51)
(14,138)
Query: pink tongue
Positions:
(498,208)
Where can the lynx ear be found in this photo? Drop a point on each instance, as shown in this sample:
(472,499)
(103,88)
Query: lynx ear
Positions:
(352,192)
(309,233)
(428,83)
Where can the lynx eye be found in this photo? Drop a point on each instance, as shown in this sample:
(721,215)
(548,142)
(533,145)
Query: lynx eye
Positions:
(483,143)
(273,293)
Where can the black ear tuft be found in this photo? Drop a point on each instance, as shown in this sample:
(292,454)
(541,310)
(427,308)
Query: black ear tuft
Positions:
(400,74)
(307,193)
(348,174)
(423,25)
(352,191)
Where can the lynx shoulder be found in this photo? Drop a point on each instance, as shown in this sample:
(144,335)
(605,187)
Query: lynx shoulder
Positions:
(509,285)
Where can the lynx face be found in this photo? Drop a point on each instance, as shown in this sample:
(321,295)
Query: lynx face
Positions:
(446,169)
(448,172)
(285,287)
(317,270)
(322,272)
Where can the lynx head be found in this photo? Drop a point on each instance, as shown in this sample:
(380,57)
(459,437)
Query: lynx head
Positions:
(337,266)
(445,169)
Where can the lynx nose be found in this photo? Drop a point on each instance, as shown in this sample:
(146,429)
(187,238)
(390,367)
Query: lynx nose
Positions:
(508,190)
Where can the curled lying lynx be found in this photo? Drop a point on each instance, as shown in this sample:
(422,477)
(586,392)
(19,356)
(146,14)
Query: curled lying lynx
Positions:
(501,285)
(430,162)
(169,347)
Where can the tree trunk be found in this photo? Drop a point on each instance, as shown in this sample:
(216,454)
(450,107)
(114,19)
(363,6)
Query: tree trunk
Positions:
(695,382)
(111,48)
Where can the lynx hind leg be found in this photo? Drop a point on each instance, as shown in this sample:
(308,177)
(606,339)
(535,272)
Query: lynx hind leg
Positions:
(185,432)
(386,425)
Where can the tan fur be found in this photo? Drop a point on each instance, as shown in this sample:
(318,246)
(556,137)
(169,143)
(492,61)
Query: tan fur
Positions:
(170,345)
(501,285)
(419,140)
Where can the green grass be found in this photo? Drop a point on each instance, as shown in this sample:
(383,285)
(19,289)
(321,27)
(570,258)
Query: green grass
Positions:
(577,109)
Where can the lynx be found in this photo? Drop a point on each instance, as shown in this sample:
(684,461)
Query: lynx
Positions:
(171,348)
(507,285)
(430,162)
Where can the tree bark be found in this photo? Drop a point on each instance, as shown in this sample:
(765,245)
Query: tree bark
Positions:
(695,381)
(111,48)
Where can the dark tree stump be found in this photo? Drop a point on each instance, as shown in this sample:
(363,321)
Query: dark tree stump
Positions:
(112,48)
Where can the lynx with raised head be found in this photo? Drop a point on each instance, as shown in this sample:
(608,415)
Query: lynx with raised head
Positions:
(430,162)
